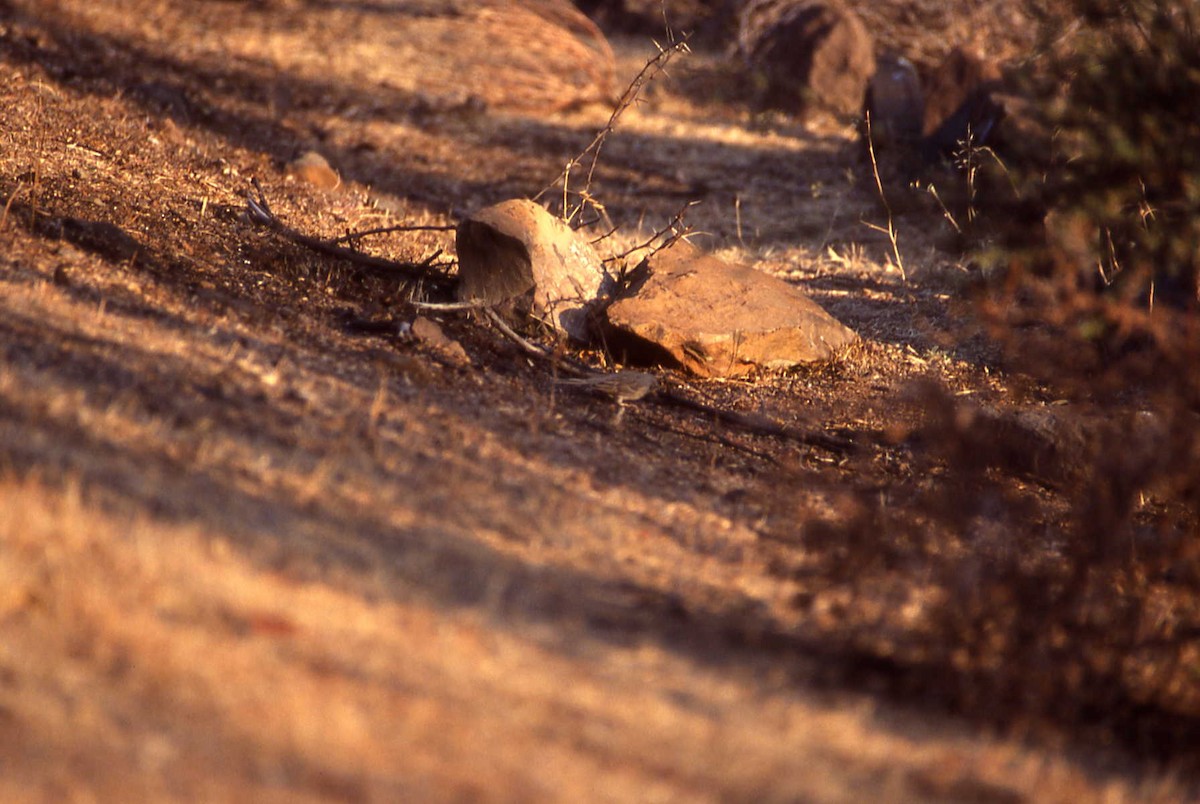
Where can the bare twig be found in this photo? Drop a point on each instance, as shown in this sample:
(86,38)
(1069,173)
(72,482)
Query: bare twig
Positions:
(8,204)
(604,236)
(650,70)
(669,234)
(749,422)
(1012,180)
(259,211)
(511,334)
(351,236)
(945,210)
(533,349)
(451,306)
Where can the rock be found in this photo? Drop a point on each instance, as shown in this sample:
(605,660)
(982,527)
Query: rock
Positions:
(717,319)
(314,169)
(959,101)
(1037,443)
(1050,445)
(432,335)
(894,103)
(811,53)
(709,23)
(516,250)
(893,116)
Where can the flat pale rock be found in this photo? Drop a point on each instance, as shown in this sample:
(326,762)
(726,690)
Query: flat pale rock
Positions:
(719,319)
(517,250)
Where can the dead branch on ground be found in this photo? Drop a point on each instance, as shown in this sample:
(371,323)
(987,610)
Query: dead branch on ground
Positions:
(761,425)
(350,237)
(753,423)
(258,211)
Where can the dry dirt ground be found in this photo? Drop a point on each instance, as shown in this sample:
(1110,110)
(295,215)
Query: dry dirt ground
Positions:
(250,550)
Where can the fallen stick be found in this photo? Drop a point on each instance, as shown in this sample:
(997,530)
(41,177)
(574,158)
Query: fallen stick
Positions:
(259,211)
(761,425)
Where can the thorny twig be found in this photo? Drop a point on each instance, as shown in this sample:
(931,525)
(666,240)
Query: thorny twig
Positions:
(259,211)
(612,231)
(650,70)
(669,234)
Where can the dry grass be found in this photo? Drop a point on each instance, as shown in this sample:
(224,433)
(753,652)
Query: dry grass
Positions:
(148,660)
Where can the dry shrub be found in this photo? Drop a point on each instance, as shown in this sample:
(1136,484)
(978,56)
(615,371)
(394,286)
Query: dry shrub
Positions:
(1126,193)
(1095,624)
(1062,542)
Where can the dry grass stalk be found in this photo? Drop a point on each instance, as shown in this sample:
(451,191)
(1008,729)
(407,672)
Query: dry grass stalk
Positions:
(890,231)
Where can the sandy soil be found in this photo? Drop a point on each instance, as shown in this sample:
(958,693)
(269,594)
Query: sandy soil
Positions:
(251,551)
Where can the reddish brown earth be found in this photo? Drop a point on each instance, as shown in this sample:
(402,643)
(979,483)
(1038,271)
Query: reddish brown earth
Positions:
(253,550)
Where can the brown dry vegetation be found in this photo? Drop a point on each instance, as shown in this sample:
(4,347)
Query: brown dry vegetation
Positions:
(251,552)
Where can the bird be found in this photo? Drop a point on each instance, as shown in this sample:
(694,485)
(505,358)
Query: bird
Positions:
(620,386)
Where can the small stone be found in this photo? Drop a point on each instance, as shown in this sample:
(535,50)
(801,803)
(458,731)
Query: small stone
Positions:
(432,335)
(718,319)
(314,169)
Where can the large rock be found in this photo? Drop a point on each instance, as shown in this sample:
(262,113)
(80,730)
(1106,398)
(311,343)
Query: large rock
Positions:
(810,52)
(893,115)
(960,102)
(717,319)
(516,250)
(894,103)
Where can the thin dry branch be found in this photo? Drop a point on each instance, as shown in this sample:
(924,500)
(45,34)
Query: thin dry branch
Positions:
(757,424)
(258,210)
(352,236)
(761,425)
(669,234)
(890,231)
(455,307)
(650,70)
(533,349)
